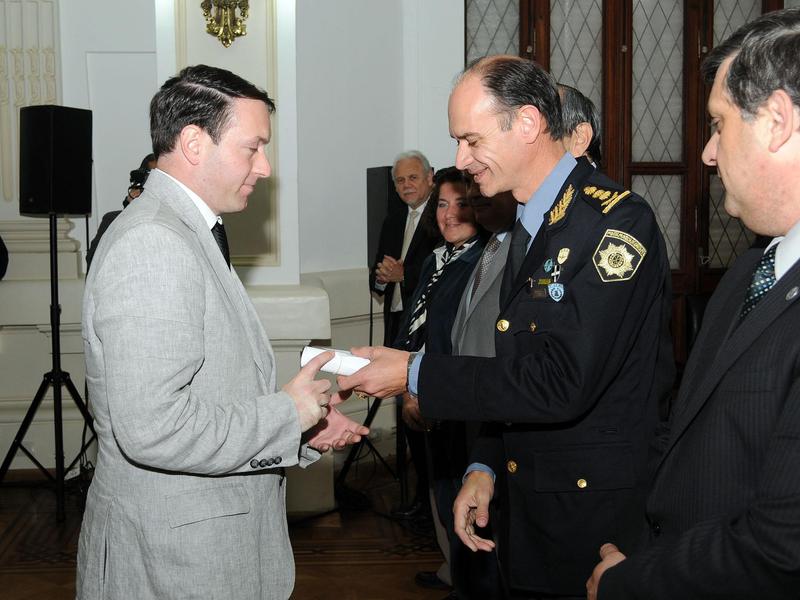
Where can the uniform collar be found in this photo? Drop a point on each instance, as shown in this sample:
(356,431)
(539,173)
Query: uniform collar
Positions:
(532,213)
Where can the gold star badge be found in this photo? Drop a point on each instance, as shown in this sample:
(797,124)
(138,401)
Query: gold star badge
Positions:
(618,256)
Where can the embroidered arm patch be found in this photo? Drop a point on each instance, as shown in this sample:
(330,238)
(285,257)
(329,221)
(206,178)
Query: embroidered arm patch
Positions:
(618,256)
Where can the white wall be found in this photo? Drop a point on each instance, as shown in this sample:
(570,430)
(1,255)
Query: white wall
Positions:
(108,64)
(372,80)
(358,81)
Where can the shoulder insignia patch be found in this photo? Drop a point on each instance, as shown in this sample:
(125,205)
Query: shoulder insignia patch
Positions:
(618,256)
(607,198)
(560,209)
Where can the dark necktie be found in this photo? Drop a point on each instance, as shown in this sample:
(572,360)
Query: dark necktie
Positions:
(486,261)
(516,256)
(218,231)
(519,247)
(762,282)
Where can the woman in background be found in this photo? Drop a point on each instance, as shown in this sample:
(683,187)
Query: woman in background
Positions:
(428,326)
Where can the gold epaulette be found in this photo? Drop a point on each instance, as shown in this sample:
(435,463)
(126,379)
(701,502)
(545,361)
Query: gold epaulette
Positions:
(607,198)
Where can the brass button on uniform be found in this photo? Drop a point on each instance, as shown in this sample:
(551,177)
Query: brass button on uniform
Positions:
(582,483)
(503,325)
(511,466)
(532,326)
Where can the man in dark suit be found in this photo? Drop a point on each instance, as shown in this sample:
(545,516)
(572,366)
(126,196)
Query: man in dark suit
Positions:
(403,245)
(138,177)
(724,506)
(583,349)
(581,125)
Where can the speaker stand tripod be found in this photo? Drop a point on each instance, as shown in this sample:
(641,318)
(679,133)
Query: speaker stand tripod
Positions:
(55,379)
(339,484)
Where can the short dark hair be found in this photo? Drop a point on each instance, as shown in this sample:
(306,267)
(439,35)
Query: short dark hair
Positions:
(199,95)
(576,109)
(765,52)
(445,175)
(513,82)
(145,164)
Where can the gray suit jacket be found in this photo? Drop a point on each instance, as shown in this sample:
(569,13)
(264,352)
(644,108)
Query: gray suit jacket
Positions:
(187,499)
(473,329)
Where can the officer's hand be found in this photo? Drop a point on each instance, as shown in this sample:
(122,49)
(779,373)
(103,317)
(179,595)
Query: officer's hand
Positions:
(609,556)
(308,393)
(383,377)
(411,415)
(471,508)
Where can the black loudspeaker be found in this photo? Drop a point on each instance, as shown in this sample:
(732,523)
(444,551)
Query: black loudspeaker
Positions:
(382,199)
(55,161)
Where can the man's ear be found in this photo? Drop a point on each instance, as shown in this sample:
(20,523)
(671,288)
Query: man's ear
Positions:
(783,119)
(530,123)
(191,143)
(430,177)
(581,138)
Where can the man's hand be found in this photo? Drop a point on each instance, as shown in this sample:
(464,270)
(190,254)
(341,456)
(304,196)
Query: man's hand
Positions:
(389,269)
(308,393)
(471,508)
(411,415)
(385,376)
(336,430)
(609,556)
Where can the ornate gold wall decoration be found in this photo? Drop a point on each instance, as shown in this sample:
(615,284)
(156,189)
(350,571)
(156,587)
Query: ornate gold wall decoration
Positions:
(222,21)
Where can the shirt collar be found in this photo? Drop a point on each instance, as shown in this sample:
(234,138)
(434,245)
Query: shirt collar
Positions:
(788,253)
(532,213)
(208,215)
(420,208)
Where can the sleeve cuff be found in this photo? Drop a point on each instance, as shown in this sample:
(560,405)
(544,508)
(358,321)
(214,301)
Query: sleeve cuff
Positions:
(478,467)
(413,374)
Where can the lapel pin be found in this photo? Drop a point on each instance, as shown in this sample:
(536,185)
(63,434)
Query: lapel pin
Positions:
(792,294)
(563,255)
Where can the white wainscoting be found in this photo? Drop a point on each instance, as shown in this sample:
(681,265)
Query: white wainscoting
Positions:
(329,308)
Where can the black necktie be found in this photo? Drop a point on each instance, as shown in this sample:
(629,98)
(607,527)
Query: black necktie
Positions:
(762,282)
(519,247)
(218,231)
(516,256)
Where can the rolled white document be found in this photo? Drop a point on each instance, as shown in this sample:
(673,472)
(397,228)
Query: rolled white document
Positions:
(343,363)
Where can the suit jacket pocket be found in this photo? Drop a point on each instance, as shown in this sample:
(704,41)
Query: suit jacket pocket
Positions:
(584,469)
(208,503)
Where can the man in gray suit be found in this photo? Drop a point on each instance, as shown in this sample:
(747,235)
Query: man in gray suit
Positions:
(188,496)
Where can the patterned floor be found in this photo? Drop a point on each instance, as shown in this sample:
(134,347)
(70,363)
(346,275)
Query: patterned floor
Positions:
(347,555)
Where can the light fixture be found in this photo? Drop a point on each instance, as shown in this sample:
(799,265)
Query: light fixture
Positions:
(222,21)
